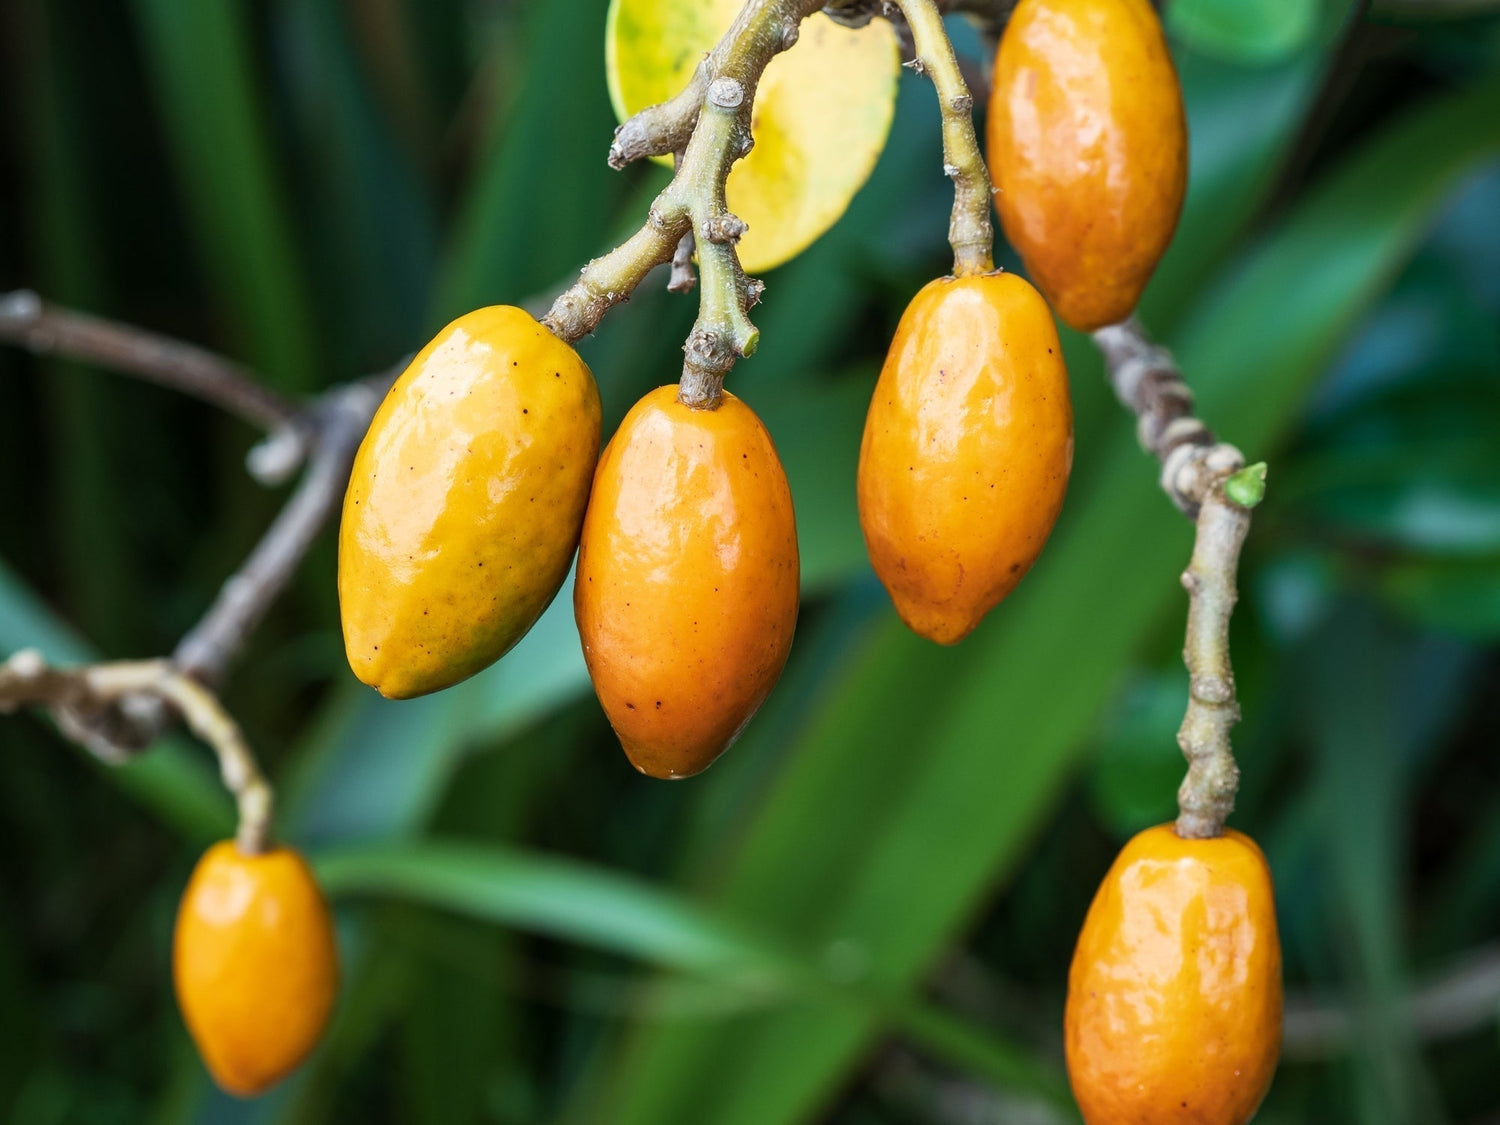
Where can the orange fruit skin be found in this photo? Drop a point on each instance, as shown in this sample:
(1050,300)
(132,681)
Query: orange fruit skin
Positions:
(967,449)
(1174,997)
(687,585)
(255,965)
(1088,146)
(464,502)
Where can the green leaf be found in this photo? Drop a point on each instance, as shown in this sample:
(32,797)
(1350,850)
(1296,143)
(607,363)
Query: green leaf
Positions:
(563,899)
(1377,703)
(1254,31)
(519,229)
(372,236)
(913,788)
(373,768)
(556,897)
(200,64)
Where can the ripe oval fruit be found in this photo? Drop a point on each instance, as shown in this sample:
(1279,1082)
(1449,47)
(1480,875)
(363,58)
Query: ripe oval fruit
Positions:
(967,449)
(1174,997)
(687,584)
(1088,146)
(465,502)
(255,965)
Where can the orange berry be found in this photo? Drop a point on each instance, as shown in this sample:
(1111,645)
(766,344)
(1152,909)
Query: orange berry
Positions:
(1088,146)
(1174,997)
(687,585)
(966,452)
(465,501)
(255,964)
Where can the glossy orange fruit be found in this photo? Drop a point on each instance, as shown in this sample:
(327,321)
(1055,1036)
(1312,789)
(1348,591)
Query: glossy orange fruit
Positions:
(465,501)
(966,452)
(1088,146)
(255,964)
(687,584)
(1174,998)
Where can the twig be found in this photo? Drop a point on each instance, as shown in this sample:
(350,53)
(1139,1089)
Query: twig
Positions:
(46,329)
(326,433)
(76,696)
(1458,1001)
(339,420)
(1208,481)
(970,231)
(709,123)
(660,129)
(684,278)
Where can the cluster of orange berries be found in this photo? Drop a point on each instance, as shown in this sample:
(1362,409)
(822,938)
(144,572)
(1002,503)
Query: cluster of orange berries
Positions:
(478,479)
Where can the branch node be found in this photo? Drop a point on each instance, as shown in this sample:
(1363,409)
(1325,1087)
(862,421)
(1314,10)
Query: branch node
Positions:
(726,93)
(273,460)
(21,307)
(723,227)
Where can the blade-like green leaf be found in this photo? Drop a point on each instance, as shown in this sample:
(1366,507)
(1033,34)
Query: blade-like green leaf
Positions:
(1244,30)
(200,63)
(564,899)
(535,208)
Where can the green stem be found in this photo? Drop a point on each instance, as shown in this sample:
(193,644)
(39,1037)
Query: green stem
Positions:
(970,230)
(694,201)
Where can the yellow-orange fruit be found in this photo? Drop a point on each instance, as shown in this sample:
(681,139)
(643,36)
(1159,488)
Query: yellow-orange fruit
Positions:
(687,585)
(1088,146)
(465,502)
(967,449)
(255,965)
(1174,998)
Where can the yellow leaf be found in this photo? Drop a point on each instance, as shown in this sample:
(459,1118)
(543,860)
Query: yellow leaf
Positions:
(821,116)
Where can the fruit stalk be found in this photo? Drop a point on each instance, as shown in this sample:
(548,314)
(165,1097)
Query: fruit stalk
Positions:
(969,231)
(709,123)
(1208,481)
(76,697)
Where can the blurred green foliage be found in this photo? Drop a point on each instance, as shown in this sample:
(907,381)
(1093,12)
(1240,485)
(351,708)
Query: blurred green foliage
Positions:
(865,913)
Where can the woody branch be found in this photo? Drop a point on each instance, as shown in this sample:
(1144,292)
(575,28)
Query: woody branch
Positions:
(1208,481)
(323,433)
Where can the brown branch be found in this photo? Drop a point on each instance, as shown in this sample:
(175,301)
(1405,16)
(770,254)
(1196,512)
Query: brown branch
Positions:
(325,433)
(1460,1000)
(76,697)
(338,422)
(1208,481)
(335,424)
(46,329)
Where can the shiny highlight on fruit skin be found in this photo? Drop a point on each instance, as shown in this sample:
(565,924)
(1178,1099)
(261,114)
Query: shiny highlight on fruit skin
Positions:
(1088,148)
(1174,998)
(255,965)
(687,586)
(465,502)
(966,452)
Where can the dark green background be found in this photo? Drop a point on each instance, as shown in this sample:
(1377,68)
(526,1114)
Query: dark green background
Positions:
(864,913)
